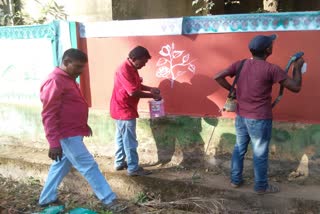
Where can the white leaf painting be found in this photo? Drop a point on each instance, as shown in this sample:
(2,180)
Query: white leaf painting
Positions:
(163,72)
(161,62)
(192,68)
(177,54)
(173,63)
(165,50)
(185,58)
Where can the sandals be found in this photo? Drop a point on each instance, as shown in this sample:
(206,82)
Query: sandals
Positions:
(270,189)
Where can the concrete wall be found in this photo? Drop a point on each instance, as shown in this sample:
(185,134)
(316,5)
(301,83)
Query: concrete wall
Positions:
(144,9)
(87,10)
(193,102)
(209,53)
(105,10)
(77,10)
(179,140)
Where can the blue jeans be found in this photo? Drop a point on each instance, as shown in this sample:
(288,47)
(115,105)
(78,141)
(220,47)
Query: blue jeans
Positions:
(259,133)
(76,154)
(126,142)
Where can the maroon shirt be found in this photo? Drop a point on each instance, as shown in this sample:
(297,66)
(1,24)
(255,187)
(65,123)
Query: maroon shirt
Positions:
(254,87)
(123,106)
(65,111)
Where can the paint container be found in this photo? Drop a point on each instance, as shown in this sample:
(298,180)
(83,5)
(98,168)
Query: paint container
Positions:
(230,105)
(156,108)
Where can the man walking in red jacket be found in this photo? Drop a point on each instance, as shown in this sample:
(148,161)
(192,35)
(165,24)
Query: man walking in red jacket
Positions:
(65,117)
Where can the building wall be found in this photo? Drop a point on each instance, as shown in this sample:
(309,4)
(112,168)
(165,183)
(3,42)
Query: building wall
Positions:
(198,94)
(77,10)
(105,10)
(145,9)
(88,10)
(193,100)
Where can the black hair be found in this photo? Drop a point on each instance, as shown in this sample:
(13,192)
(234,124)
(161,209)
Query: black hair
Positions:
(75,54)
(261,53)
(258,53)
(139,52)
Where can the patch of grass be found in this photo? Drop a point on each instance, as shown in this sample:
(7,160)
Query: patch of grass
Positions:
(33,181)
(141,198)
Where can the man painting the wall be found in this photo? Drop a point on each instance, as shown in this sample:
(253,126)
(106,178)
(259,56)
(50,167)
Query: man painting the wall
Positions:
(254,111)
(65,117)
(127,91)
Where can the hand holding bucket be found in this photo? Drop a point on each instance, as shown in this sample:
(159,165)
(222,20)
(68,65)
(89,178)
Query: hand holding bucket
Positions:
(156,106)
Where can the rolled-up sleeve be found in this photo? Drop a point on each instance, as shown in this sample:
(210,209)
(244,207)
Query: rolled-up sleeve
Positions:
(51,98)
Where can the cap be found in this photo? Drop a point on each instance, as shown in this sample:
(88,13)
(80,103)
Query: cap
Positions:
(260,43)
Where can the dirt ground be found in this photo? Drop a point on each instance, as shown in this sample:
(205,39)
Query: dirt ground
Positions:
(175,189)
(17,197)
(22,197)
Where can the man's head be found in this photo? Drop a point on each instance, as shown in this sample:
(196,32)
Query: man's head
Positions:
(261,46)
(139,56)
(73,62)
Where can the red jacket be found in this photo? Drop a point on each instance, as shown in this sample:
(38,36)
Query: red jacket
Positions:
(65,111)
(123,106)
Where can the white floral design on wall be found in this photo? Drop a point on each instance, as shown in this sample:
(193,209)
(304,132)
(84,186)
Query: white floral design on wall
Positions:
(173,63)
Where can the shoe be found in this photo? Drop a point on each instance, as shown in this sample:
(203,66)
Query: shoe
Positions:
(140,172)
(57,202)
(115,206)
(233,185)
(123,166)
(270,189)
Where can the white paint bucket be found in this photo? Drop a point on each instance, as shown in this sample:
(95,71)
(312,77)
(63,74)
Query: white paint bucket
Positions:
(156,108)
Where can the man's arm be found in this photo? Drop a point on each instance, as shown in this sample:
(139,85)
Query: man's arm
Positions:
(294,84)
(145,88)
(50,95)
(221,79)
(142,94)
(153,90)
(151,93)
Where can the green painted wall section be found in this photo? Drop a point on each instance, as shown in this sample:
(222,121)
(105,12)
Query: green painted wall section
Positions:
(194,136)
(21,123)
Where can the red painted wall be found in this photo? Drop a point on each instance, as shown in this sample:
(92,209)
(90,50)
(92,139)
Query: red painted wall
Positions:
(198,94)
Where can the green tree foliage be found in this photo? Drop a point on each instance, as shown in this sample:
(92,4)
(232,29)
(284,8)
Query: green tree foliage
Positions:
(11,13)
(51,10)
(8,16)
(203,7)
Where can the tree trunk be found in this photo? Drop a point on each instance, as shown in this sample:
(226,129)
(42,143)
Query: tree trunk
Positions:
(270,5)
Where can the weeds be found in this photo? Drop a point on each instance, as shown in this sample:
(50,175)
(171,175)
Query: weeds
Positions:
(141,198)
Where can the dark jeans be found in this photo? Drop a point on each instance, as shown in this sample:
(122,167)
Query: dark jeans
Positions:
(259,133)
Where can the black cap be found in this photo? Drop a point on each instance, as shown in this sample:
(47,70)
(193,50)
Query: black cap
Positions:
(260,43)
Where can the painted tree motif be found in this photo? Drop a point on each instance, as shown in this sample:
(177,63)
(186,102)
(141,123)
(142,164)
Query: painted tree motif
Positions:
(173,63)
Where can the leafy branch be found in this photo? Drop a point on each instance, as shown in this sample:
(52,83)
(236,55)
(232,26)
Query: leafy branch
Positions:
(203,6)
(12,14)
